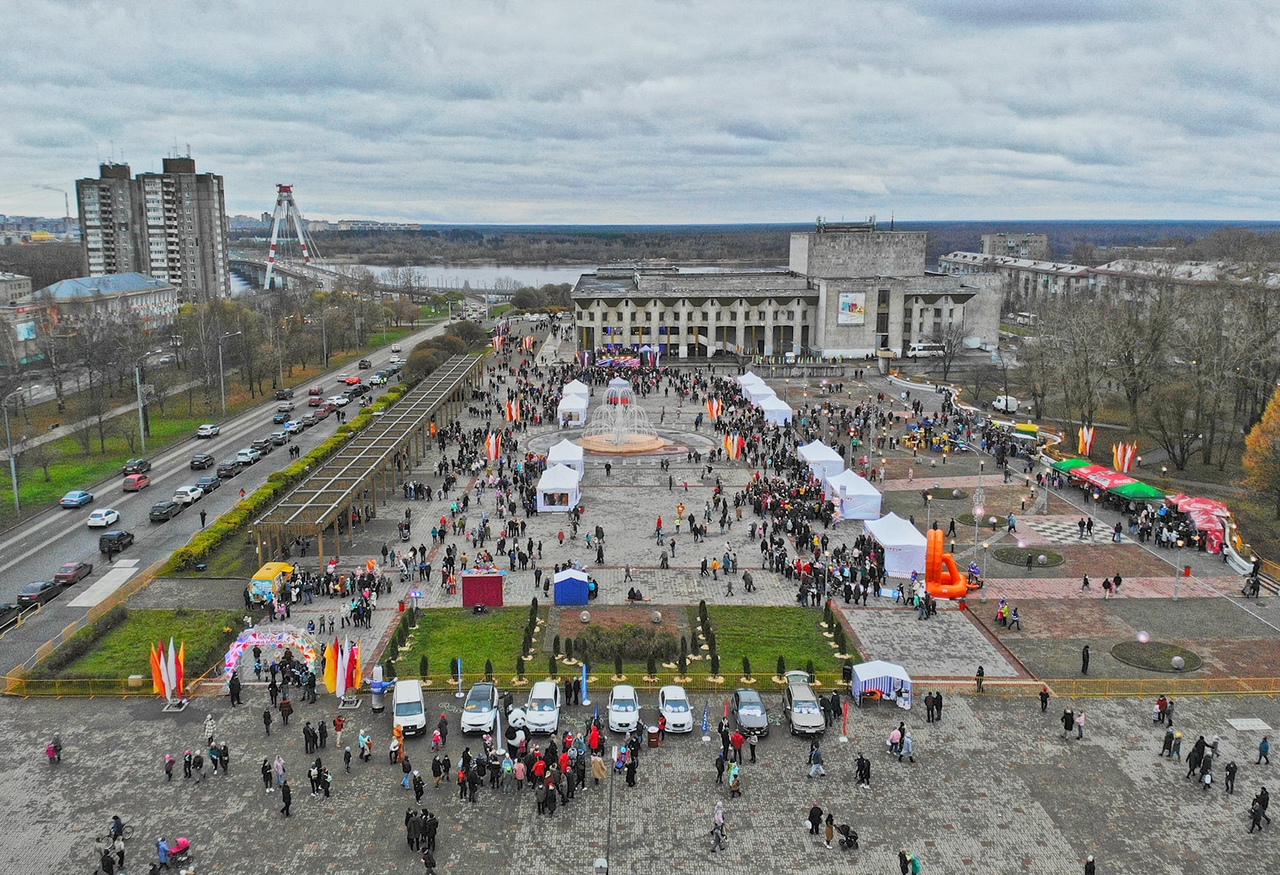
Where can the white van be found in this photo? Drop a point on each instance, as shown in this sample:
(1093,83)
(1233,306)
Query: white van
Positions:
(408,708)
(1005,404)
(542,713)
(925,350)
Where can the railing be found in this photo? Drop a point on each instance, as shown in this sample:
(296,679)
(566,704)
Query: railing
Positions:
(90,688)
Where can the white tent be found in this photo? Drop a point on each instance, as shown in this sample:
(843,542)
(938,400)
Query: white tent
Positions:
(891,680)
(755,394)
(572,410)
(576,387)
(903,544)
(566,453)
(775,410)
(558,490)
(750,379)
(821,459)
(854,495)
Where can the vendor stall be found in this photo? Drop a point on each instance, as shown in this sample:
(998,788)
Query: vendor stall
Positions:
(903,544)
(566,453)
(881,680)
(575,387)
(571,587)
(854,496)
(821,459)
(572,410)
(482,588)
(775,410)
(558,490)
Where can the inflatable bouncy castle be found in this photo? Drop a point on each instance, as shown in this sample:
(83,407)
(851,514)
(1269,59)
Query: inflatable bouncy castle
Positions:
(942,578)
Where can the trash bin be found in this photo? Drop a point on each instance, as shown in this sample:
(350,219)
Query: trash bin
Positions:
(846,672)
(401,606)
(653,736)
(1186,571)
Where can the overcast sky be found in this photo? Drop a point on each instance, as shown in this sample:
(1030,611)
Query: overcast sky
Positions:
(663,112)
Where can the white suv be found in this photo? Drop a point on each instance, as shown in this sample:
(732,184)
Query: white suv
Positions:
(542,712)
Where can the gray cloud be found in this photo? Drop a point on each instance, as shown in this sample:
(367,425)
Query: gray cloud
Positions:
(658,111)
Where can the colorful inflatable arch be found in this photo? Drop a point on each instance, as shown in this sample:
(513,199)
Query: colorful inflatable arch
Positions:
(942,578)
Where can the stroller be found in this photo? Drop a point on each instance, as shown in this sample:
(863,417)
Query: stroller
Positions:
(848,836)
(180,852)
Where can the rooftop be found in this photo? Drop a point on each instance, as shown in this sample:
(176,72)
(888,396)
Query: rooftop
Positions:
(111,284)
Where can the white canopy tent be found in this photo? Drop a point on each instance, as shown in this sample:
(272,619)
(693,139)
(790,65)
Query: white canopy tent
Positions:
(755,394)
(821,459)
(892,681)
(854,495)
(572,410)
(558,490)
(775,410)
(567,453)
(903,544)
(576,387)
(750,379)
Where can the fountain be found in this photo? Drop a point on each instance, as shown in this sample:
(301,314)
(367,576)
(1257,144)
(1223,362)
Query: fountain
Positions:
(619,425)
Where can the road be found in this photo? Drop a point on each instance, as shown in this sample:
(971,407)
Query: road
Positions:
(36,549)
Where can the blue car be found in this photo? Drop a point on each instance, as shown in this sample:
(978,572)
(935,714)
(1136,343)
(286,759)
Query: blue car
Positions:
(76,498)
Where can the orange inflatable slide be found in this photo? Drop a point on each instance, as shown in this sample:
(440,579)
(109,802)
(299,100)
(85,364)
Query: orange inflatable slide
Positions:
(942,578)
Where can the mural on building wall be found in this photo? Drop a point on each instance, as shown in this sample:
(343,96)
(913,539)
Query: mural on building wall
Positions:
(853,308)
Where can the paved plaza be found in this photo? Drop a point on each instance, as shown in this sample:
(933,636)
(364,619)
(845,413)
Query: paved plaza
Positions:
(996,787)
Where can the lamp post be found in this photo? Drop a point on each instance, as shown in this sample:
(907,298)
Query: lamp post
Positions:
(142,418)
(13,462)
(601,866)
(222,374)
(979,506)
(928,510)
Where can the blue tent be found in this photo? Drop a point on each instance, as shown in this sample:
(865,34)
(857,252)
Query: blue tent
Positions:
(571,587)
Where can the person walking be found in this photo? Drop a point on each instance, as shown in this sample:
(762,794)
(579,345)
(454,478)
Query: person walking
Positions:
(1264,752)
(815,819)
(816,767)
(831,830)
(266,775)
(908,748)
(1080,725)
(978,678)
(718,829)
(286,796)
(1084,660)
(1044,699)
(1089,868)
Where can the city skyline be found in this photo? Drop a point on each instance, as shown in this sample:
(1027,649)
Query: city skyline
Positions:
(659,112)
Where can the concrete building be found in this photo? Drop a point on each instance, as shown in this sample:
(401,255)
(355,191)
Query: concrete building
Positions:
(13,285)
(171,226)
(848,291)
(1034,247)
(1023,282)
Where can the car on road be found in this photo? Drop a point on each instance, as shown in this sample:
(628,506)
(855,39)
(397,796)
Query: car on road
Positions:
(624,709)
(395,347)
(480,710)
(749,712)
(188,494)
(321,413)
(315,401)
(293,427)
(163,511)
(673,704)
(248,455)
(355,392)
(365,364)
(37,593)
(136,466)
(285,406)
(76,498)
(279,438)
(208,430)
(263,445)
(800,705)
(73,572)
(1005,404)
(342,378)
(136,482)
(114,541)
(353,380)
(315,390)
(308,420)
(229,468)
(200,461)
(395,360)
(208,484)
(280,417)
(339,400)
(378,379)
(9,613)
(284,394)
(542,711)
(102,517)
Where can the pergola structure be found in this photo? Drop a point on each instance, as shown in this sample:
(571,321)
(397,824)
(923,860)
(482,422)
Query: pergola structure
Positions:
(371,465)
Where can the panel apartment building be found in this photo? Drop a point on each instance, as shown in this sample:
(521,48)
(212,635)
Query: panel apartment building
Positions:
(171,226)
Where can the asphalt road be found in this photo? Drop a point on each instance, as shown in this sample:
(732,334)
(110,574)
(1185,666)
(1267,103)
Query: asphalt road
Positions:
(35,550)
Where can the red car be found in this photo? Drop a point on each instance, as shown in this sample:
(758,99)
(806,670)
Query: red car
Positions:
(321,412)
(315,390)
(315,401)
(73,572)
(353,380)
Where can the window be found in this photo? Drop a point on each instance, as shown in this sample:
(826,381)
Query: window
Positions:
(882,298)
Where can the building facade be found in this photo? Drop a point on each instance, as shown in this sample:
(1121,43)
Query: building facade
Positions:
(171,226)
(1024,282)
(1034,247)
(848,291)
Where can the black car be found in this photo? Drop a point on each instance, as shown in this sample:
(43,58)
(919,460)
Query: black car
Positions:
(284,394)
(163,511)
(114,541)
(35,593)
(365,364)
(208,484)
(356,391)
(281,416)
(8,614)
(229,468)
(749,712)
(263,445)
(200,461)
(136,466)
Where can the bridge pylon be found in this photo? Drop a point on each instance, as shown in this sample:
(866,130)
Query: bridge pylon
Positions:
(286,214)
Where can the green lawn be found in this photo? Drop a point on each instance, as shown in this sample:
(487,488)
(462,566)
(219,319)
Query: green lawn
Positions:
(444,634)
(125,650)
(763,634)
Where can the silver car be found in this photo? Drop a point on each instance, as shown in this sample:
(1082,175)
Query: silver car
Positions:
(800,706)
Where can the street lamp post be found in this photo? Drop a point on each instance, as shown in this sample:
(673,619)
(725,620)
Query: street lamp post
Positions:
(222,374)
(142,421)
(979,507)
(13,462)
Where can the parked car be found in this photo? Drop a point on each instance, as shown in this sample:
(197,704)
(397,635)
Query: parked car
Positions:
(73,572)
(114,541)
(749,712)
(365,364)
(800,705)
(76,498)
(308,420)
(284,394)
(315,390)
(280,417)
(624,709)
(480,710)
(103,516)
(542,711)
(263,445)
(293,427)
(188,494)
(229,468)
(163,511)
(136,482)
(9,613)
(355,391)
(339,400)
(395,360)
(673,704)
(208,430)
(378,379)
(279,438)
(1005,404)
(208,484)
(408,707)
(315,401)
(248,455)
(37,593)
(136,466)
(200,461)
(285,406)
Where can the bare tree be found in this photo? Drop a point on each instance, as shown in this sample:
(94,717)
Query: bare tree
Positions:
(951,338)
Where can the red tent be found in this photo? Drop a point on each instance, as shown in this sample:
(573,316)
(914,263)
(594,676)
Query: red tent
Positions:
(481,588)
(1207,514)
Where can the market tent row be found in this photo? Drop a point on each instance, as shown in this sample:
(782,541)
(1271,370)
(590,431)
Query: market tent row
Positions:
(569,454)
(822,460)
(370,467)
(854,496)
(575,387)
(1209,516)
(558,490)
(1116,483)
(904,545)
(572,410)
(775,410)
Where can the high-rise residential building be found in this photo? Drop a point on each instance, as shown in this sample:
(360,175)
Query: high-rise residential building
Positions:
(170,225)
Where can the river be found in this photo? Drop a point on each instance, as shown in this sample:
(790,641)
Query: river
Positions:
(491,276)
